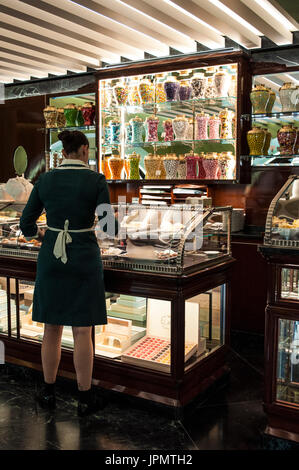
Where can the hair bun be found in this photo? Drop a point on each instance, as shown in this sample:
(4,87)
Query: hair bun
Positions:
(65,135)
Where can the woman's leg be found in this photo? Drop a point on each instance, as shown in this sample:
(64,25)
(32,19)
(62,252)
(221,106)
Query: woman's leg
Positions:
(51,352)
(83,356)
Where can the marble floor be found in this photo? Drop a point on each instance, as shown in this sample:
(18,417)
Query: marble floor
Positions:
(232,418)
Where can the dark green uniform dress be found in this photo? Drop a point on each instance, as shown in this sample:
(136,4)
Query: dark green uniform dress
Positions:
(69,291)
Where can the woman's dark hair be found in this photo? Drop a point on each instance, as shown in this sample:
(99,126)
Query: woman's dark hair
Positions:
(72,140)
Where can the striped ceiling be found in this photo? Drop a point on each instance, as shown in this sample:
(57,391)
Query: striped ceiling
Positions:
(41,37)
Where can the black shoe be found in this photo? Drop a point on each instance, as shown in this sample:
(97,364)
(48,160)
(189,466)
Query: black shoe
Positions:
(90,406)
(46,397)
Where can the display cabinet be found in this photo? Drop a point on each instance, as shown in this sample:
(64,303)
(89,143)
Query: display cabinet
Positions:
(167,277)
(281,250)
(172,119)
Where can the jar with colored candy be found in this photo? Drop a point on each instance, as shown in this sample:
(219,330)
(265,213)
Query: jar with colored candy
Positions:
(151,126)
(160,92)
(222,81)
(115,128)
(70,112)
(146,91)
(116,164)
(168,130)
(286,137)
(171,163)
(107,132)
(214,127)
(50,113)
(259,98)
(134,98)
(88,112)
(198,85)
(121,93)
(106,95)
(80,118)
(288,97)
(161,172)
(127,167)
(201,174)
(171,87)
(256,139)
(190,131)
(210,164)
(182,168)
(185,90)
(137,130)
(60,118)
(202,125)
(223,167)
(226,116)
(152,166)
(134,160)
(105,168)
(210,91)
(271,101)
(180,126)
(267,141)
(128,127)
(191,165)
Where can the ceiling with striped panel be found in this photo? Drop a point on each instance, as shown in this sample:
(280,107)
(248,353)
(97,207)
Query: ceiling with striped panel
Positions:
(39,38)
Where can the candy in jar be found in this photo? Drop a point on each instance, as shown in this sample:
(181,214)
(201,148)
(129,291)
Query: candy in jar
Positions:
(210,164)
(115,128)
(180,126)
(210,91)
(105,168)
(127,167)
(171,164)
(222,81)
(171,87)
(128,132)
(198,85)
(137,129)
(286,137)
(50,113)
(214,127)
(226,117)
(256,140)
(168,129)
(116,164)
(60,118)
(151,124)
(182,168)
(223,166)
(70,112)
(160,93)
(80,118)
(152,166)
(202,126)
(121,93)
(191,161)
(190,130)
(201,171)
(233,86)
(185,90)
(134,160)
(146,91)
(134,98)
(88,113)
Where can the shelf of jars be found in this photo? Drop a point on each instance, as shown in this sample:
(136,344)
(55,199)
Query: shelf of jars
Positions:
(68,128)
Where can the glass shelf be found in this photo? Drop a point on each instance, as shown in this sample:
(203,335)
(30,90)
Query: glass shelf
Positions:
(149,108)
(202,182)
(267,116)
(169,143)
(287,156)
(60,129)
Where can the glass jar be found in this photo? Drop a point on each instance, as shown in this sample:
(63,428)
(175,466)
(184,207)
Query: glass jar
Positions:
(222,81)
(146,91)
(201,171)
(214,123)
(107,133)
(171,87)
(70,112)
(128,128)
(80,118)
(223,166)
(116,164)
(105,168)
(256,139)
(286,137)
(121,93)
(210,164)
(180,126)
(168,130)
(182,167)
(134,160)
(226,116)
(115,128)
(88,113)
(171,163)
(288,97)
(60,118)
(137,130)
(233,86)
(202,126)
(267,142)
(271,101)
(152,166)
(198,85)
(231,164)
(50,113)
(160,92)
(191,165)
(127,167)
(210,91)
(151,126)
(185,90)
(134,97)
(259,98)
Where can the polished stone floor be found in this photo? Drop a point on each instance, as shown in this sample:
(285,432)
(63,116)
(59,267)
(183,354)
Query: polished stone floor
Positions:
(232,418)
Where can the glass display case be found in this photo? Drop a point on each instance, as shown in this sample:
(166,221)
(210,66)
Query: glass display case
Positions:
(288,362)
(179,124)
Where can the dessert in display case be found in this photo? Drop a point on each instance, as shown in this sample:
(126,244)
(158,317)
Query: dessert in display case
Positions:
(167,117)
(281,250)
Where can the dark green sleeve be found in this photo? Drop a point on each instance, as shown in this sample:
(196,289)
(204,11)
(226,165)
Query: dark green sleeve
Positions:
(31,213)
(107,222)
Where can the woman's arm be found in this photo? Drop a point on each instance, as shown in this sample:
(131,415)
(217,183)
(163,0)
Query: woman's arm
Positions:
(31,213)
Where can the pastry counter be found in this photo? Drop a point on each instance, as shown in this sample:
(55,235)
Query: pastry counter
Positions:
(167,278)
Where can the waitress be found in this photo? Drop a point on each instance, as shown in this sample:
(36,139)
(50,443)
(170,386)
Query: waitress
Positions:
(69,288)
